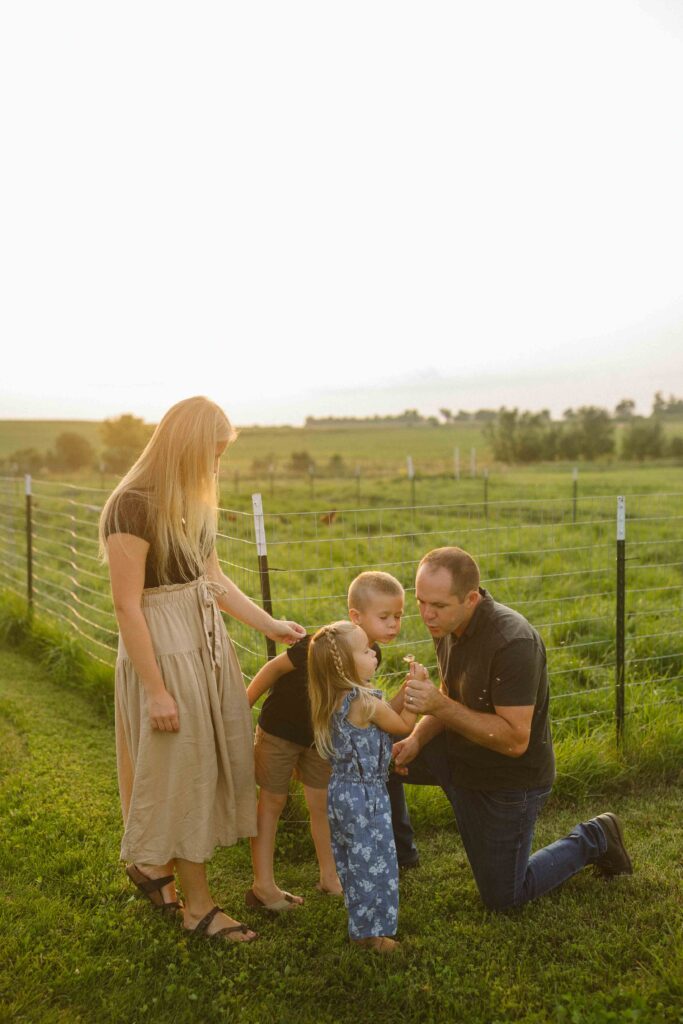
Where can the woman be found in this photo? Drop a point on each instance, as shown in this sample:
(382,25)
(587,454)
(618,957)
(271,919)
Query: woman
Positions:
(183,725)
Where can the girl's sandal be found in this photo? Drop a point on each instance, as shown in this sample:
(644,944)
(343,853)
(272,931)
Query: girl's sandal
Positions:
(200,930)
(378,944)
(151,889)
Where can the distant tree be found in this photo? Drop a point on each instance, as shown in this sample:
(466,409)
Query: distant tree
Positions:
(264,464)
(658,404)
(676,447)
(72,451)
(336,465)
(482,415)
(124,438)
(643,439)
(522,437)
(463,416)
(588,431)
(625,409)
(26,460)
(447,415)
(301,462)
(662,407)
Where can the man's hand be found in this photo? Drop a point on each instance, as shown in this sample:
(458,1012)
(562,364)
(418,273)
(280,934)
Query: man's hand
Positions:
(284,632)
(403,753)
(421,696)
(163,712)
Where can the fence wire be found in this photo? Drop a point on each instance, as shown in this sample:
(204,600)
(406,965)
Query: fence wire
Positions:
(551,559)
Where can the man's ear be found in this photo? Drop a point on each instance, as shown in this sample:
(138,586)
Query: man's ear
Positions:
(354,616)
(473,598)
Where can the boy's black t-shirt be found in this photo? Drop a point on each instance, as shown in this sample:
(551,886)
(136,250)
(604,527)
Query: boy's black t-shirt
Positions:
(286,712)
(135,517)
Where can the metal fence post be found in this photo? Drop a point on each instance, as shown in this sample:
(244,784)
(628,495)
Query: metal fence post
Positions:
(620,708)
(411,477)
(264,576)
(575,491)
(486,493)
(29,543)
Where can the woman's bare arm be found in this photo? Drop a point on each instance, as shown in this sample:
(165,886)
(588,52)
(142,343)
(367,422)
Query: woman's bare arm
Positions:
(127,556)
(241,607)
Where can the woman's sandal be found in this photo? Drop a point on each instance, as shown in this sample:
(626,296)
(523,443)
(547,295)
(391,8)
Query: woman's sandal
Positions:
(151,888)
(286,902)
(200,931)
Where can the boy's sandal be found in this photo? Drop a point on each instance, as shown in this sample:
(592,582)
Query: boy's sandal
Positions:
(286,902)
(200,931)
(151,888)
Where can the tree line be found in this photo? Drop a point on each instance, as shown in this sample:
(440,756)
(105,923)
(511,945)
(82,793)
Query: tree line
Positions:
(515,436)
(588,432)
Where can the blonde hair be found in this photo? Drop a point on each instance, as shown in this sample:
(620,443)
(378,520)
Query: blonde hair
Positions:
(369,583)
(332,673)
(174,477)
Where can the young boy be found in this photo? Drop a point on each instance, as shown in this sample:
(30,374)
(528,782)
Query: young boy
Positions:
(283,746)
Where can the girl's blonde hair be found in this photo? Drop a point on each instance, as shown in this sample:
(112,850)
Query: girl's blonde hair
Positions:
(332,673)
(174,477)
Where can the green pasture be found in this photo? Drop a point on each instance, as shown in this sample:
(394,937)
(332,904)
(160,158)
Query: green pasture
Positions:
(79,946)
(549,557)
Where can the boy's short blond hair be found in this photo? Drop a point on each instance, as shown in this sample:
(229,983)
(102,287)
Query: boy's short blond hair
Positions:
(372,583)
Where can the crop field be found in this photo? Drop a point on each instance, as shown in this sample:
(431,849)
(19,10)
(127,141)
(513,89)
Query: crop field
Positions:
(543,549)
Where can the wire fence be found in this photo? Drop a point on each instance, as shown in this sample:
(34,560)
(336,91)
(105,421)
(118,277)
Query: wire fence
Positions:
(609,610)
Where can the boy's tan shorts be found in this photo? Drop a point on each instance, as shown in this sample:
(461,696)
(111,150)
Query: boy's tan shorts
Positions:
(277,761)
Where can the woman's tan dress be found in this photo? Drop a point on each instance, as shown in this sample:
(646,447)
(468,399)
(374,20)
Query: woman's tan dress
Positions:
(184,793)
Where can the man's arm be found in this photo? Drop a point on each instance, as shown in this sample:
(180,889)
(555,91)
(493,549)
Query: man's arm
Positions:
(507,730)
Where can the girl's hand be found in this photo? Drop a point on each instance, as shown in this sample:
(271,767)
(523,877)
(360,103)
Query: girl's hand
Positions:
(417,671)
(284,632)
(163,712)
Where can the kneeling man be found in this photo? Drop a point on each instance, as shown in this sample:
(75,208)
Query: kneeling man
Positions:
(485,739)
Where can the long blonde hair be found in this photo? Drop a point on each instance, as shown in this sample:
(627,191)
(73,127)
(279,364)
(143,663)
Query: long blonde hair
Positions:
(332,673)
(174,477)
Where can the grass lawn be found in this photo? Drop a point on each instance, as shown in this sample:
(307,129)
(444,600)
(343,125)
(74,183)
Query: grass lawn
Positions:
(78,945)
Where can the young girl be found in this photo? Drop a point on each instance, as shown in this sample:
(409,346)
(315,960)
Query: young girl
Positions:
(352,725)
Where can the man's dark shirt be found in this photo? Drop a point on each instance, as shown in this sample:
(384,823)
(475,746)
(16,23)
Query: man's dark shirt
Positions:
(499,660)
(286,711)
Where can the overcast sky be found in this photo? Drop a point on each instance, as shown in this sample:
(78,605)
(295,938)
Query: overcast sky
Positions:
(315,207)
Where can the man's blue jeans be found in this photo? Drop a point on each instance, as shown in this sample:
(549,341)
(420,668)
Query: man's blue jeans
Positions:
(497,829)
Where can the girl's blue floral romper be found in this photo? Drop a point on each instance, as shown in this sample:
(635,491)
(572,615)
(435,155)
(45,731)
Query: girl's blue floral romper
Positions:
(360,822)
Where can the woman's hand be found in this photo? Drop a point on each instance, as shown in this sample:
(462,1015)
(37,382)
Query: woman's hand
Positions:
(163,712)
(284,632)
